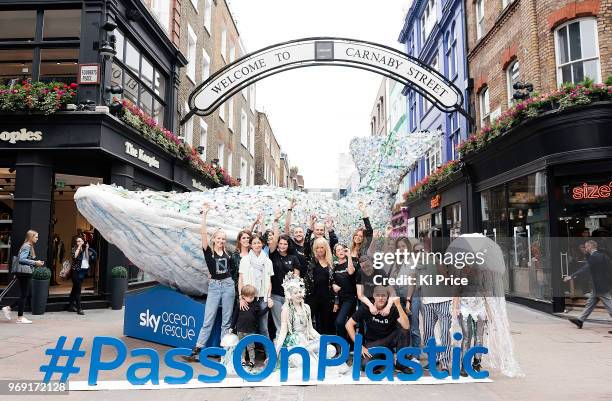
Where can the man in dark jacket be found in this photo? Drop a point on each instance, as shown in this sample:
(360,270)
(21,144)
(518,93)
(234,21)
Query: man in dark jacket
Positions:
(600,267)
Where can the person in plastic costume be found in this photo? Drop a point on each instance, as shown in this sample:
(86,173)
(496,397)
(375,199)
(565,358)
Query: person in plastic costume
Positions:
(296,326)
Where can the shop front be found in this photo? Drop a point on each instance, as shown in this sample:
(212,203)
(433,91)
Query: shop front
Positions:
(111,50)
(39,179)
(541,203)
(441,215)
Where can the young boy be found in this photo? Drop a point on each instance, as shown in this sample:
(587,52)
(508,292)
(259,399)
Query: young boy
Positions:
(244,322)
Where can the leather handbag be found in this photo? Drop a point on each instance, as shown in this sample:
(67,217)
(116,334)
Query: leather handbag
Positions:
(17,267)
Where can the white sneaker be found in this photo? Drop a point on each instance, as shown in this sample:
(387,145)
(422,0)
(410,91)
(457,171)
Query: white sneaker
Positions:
(7,312)
(23,320)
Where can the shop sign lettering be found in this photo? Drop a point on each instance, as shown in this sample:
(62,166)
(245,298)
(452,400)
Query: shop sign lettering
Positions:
(591,191)
(23,135)
(140,154)
(435,201)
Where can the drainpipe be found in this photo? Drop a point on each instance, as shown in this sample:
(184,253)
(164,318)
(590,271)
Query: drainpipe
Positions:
(534,46)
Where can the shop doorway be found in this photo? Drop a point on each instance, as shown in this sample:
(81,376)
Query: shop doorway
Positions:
(7,188)
(67,225)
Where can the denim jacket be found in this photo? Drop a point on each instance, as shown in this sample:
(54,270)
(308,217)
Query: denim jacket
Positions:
(25,256)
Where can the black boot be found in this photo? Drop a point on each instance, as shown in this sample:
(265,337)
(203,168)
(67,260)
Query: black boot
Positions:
(194,357)
(70,307)
(476,365)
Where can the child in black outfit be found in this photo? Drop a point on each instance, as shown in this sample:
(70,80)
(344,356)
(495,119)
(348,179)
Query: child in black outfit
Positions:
(244,322)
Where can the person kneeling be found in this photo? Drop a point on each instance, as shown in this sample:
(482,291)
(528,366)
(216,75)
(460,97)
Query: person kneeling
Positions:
(381,331)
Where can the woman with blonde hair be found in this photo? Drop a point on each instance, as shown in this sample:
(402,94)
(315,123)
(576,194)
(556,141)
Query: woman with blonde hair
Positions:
(221,289)
(319,276)
(23,271)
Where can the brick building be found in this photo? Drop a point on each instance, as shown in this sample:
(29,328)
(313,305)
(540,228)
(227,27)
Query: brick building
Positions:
(210,39)
(267,153)
(526,41)
(378,116)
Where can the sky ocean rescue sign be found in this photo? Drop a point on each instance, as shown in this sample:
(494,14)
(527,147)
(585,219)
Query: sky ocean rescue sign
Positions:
(324,51)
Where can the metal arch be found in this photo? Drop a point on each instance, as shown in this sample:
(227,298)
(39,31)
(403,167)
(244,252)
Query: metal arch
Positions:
(325,62)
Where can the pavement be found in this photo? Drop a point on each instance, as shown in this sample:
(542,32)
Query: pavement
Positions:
(560,362)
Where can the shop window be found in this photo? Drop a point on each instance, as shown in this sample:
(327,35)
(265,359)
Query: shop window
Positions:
(577,49)
(15,66)
(453,220)
(143,84)
(17,25)
(62,24)
(47,52)
(512,77)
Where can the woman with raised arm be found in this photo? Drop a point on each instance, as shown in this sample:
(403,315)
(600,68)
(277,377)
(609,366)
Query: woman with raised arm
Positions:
(345,288)
(221,289)
(362,237)
(256,269)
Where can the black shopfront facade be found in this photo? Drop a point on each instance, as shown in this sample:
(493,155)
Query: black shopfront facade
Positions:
(56,154)
(538,191)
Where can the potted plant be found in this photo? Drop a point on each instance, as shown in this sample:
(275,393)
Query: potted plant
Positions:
(118,286)
(40,289)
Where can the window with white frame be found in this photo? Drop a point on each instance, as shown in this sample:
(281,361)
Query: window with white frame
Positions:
(223,43)
(208,15)
(433,157)
(428,20)
(512,77)
(191,53)
(161,10)
(479,18)
(230,114)
(252,98)
(454,135)
(220,154)
(195,4)
(203,138)
(244,129)
(205,65)
(244,171)
(230,161)
(451,52)
(251,175)
(577,49)
(265,171)
(485,107)
(222,111)
(252,139)
(232,53)
(188,127)
(427,103)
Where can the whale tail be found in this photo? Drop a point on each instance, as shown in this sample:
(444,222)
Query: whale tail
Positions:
(382,161)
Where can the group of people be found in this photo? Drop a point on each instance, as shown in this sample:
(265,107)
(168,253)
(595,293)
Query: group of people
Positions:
(82,258)
(311,285)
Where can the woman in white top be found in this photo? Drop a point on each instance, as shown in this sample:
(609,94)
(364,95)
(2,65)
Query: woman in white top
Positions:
(256,269)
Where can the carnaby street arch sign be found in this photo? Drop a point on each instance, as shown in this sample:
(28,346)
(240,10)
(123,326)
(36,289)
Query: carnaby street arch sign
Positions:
(369,56)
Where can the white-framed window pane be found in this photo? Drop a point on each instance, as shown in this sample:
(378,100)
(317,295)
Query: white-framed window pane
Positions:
(577,51)
(230,116)
(230,161)
(244,133)
(222,111)
(203,138)
(591,69)
(251,175)
(191,53)
(251,139)
(223,43)
(188,131)
(205,65)
(220,150)
(588,36)
(232,54)
(244,171)
(208,15)
(513,76)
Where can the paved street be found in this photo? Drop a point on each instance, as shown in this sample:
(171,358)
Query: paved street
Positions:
(560,363)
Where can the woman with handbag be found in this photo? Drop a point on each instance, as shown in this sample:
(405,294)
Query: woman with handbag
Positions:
(22,268)
(82,257)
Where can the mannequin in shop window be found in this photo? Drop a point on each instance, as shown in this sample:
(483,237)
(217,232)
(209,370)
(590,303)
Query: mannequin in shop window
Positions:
(58,256)
(83,257)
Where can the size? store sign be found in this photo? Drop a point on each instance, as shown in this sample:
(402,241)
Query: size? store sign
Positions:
(591,191)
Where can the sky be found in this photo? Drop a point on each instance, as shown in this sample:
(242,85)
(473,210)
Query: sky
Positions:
(314,112)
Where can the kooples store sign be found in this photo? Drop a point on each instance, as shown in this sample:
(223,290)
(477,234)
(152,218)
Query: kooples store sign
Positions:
(23,135)
(140,154)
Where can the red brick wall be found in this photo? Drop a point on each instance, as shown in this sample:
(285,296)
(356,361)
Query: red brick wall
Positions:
(524,31)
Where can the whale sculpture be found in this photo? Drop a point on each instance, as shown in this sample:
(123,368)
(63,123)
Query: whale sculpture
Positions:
(159,231)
